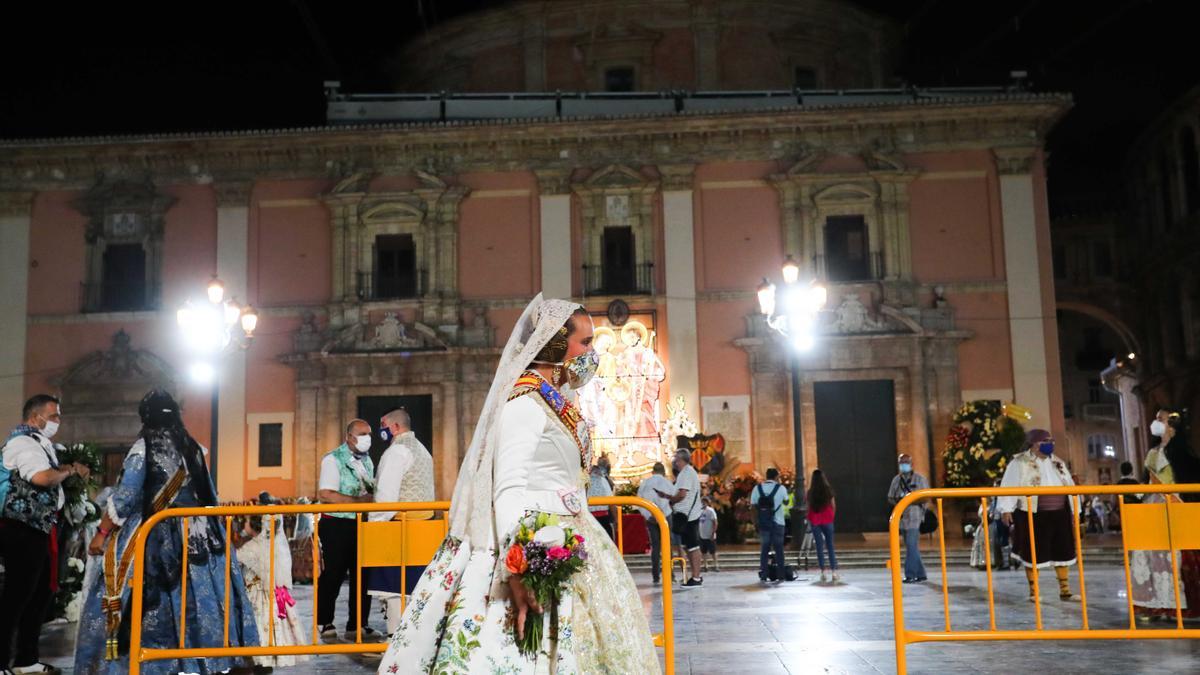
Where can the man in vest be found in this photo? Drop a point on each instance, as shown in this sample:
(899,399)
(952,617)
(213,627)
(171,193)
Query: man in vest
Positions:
(32,497)
(405,475)
(347,477)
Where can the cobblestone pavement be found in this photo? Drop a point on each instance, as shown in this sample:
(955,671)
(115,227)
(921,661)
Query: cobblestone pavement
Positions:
(733,624)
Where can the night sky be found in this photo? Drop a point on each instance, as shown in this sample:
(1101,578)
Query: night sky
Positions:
(104,68)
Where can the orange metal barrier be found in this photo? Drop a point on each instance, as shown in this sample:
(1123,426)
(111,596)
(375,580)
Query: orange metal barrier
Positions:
(393,543)
(1154,527)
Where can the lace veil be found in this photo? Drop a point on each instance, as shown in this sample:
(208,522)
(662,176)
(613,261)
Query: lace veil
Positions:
(471,510)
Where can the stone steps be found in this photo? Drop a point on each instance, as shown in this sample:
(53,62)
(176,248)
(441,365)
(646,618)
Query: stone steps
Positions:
(867,558)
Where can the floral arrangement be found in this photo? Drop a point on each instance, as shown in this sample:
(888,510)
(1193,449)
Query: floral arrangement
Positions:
(545,554)
(980,445)
(78,514)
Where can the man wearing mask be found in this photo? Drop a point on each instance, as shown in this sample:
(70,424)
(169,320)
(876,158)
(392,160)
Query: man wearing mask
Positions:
(405,475)
(685,515)
(32,497)
(1054,519)
(651,490)
(346,478)
(910,521)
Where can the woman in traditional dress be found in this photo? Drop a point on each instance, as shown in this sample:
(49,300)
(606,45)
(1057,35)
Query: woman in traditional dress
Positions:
(274,608)
(1150,571)
(164,468)
(529,455)
(1185,467)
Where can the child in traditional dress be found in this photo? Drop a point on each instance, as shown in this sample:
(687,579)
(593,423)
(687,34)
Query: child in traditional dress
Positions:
(274,608)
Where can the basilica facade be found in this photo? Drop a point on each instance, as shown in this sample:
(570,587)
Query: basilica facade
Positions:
(389,260)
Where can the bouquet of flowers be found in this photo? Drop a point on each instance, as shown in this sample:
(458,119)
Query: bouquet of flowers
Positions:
(546,554)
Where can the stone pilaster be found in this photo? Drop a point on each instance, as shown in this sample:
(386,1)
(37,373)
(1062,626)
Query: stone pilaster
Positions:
(555,215)
(680,276)
(233,240)
(1027,313)
(16,219)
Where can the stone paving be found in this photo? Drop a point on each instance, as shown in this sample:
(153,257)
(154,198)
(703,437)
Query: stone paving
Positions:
(733,624)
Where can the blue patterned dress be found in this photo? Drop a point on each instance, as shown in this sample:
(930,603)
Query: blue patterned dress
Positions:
(161,600)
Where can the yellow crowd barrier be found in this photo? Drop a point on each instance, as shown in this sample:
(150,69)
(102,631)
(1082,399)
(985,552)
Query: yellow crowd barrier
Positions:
(1169,526)
(411,539)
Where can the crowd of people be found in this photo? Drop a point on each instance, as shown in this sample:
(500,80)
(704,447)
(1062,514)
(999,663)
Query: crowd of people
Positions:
(520,474)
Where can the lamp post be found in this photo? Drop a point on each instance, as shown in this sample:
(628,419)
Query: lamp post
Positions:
(792,312)
(211,329)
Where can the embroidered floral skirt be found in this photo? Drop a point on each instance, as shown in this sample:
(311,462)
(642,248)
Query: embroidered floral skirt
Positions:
(453,626)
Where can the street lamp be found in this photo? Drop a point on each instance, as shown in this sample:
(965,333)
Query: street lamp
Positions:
(792,312)
(211,329)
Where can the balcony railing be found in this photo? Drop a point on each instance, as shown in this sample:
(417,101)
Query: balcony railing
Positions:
(1100,412)
(372,287)
(109,296)
(632,280)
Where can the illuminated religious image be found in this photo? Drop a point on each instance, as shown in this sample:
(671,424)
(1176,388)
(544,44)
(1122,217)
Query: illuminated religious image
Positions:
(623,399)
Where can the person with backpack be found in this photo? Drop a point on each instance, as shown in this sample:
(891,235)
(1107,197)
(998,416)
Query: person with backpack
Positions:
(903,483)
(32,496)
(768,498)
(685,512)
(821,509)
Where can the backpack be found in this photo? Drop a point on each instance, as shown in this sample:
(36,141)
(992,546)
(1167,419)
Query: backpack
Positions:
(766,507)
(5,474)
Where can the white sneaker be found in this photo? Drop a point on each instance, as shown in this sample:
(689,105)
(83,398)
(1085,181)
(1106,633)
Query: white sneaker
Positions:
(824,579)
(837,579)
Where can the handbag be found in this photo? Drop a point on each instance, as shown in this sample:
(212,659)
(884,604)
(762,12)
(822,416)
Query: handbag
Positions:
(929,521)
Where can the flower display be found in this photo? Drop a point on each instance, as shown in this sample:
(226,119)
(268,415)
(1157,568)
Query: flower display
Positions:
(545,553)
(980,444)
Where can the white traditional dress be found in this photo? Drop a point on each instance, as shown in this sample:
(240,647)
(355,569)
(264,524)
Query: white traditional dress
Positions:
(527,458)
(1150,571)
(273,606)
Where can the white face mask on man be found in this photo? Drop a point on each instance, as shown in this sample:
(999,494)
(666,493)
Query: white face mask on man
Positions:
(362,443)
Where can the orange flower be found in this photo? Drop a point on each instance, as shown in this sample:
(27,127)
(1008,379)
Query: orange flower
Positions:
(515,560)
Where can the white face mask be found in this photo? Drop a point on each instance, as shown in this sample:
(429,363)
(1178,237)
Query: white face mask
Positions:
(362,443)
(50,429)
(1157,428)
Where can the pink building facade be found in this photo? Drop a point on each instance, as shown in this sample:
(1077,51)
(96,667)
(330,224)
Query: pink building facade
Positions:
(389,264)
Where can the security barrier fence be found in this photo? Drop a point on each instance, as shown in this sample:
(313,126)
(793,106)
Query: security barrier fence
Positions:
(411,538)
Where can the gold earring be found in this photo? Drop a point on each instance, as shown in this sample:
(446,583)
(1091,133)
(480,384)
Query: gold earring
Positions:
(558,371)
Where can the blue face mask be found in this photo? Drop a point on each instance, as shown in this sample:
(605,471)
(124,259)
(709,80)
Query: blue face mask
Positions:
(385,434)
(1046,447)
(906,468)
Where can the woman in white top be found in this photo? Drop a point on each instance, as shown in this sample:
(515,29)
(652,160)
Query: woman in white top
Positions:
(528,454)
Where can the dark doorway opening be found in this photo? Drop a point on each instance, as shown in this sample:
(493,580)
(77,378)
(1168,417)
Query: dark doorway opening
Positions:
(395,266)
(619,276)
(856,449)
(124,286)
(847,255)
(419,407)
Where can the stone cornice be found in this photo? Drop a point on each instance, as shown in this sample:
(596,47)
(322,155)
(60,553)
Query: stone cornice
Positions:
(677,176)
(233,193)
(16,204)
(985,123)
(1014,161)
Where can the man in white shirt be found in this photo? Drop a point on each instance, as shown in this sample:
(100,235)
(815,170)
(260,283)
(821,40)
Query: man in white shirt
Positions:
(32,497)
(685,514)
(648,489)
(405,475)
(598,486)
(347,477)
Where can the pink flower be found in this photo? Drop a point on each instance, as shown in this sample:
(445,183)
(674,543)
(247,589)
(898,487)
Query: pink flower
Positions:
(579,539)
(558,553)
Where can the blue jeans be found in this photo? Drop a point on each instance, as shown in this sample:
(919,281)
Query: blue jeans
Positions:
(771,538)
(823,541)
(913,567)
